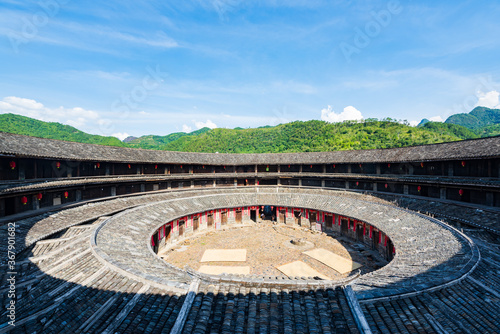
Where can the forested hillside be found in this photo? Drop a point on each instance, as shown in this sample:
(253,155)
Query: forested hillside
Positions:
(156,142)
(313,136)
(31,127)
(308,136)
(478,118)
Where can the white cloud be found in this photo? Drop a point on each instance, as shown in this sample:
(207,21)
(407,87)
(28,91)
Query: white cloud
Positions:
(436,119)
(490,99)
(349,113)
(76,117)
(120,135)
(208,124)
(186,128)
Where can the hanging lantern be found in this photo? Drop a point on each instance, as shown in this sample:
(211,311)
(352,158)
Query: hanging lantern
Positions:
(422,164)
(360,166)
(463,163)
(311,166)
(156,166)
(267,168)
(389,165)
(129,166)
(357,183)
(333,165)
(386,185)
(58,165)
(24,200)
(419,188)
(98,165)
(288,166)
(181,166)
(66,194)
(461,192)
(39,196)
(12,165)
(203,166)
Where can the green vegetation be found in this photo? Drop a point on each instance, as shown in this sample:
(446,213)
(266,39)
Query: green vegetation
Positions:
(478,118)
(450,129)
(310,136)
(31,127)
(157,142)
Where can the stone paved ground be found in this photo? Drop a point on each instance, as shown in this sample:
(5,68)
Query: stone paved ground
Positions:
(267,248)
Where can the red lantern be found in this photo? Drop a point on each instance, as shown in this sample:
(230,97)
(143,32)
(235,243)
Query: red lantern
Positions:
(129,166)
(98,165)
(386,185)
(156,166)
(357,183)
(66,194)
(389,165)
(422,164)
(24,200)
(311,166)
(463,163)
(333,165)
(12,165)
(288,166)
(360,166)
(181,166)
(58,165)
(461,192)
(419,188)
(39,196)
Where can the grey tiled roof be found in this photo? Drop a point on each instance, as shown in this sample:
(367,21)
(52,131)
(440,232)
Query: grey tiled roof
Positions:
(24,146)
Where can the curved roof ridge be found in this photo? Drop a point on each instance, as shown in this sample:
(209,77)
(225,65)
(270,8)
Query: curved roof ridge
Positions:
(27,146)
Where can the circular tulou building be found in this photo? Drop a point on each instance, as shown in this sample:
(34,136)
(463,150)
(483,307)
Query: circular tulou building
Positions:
(99,239)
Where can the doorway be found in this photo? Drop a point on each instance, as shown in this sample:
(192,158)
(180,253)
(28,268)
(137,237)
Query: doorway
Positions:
(329,221)
(253,215)
(181,227)
(344,226)
(223,217)
(375,240)
(359,232)
(298,217)
(196,223)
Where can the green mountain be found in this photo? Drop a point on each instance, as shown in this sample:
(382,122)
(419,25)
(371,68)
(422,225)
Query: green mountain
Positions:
(478,118)
(158,142)
(313,136)
(31,127)
(450,129)
(309,136)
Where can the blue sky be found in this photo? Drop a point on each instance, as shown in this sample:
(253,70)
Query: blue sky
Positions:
(155,67)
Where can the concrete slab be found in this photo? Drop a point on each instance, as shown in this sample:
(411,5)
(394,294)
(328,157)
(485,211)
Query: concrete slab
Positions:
(224,255)
(332,260)
(300,269)
(219,270)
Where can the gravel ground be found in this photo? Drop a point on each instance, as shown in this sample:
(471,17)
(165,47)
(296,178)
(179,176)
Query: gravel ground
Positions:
(268,246)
